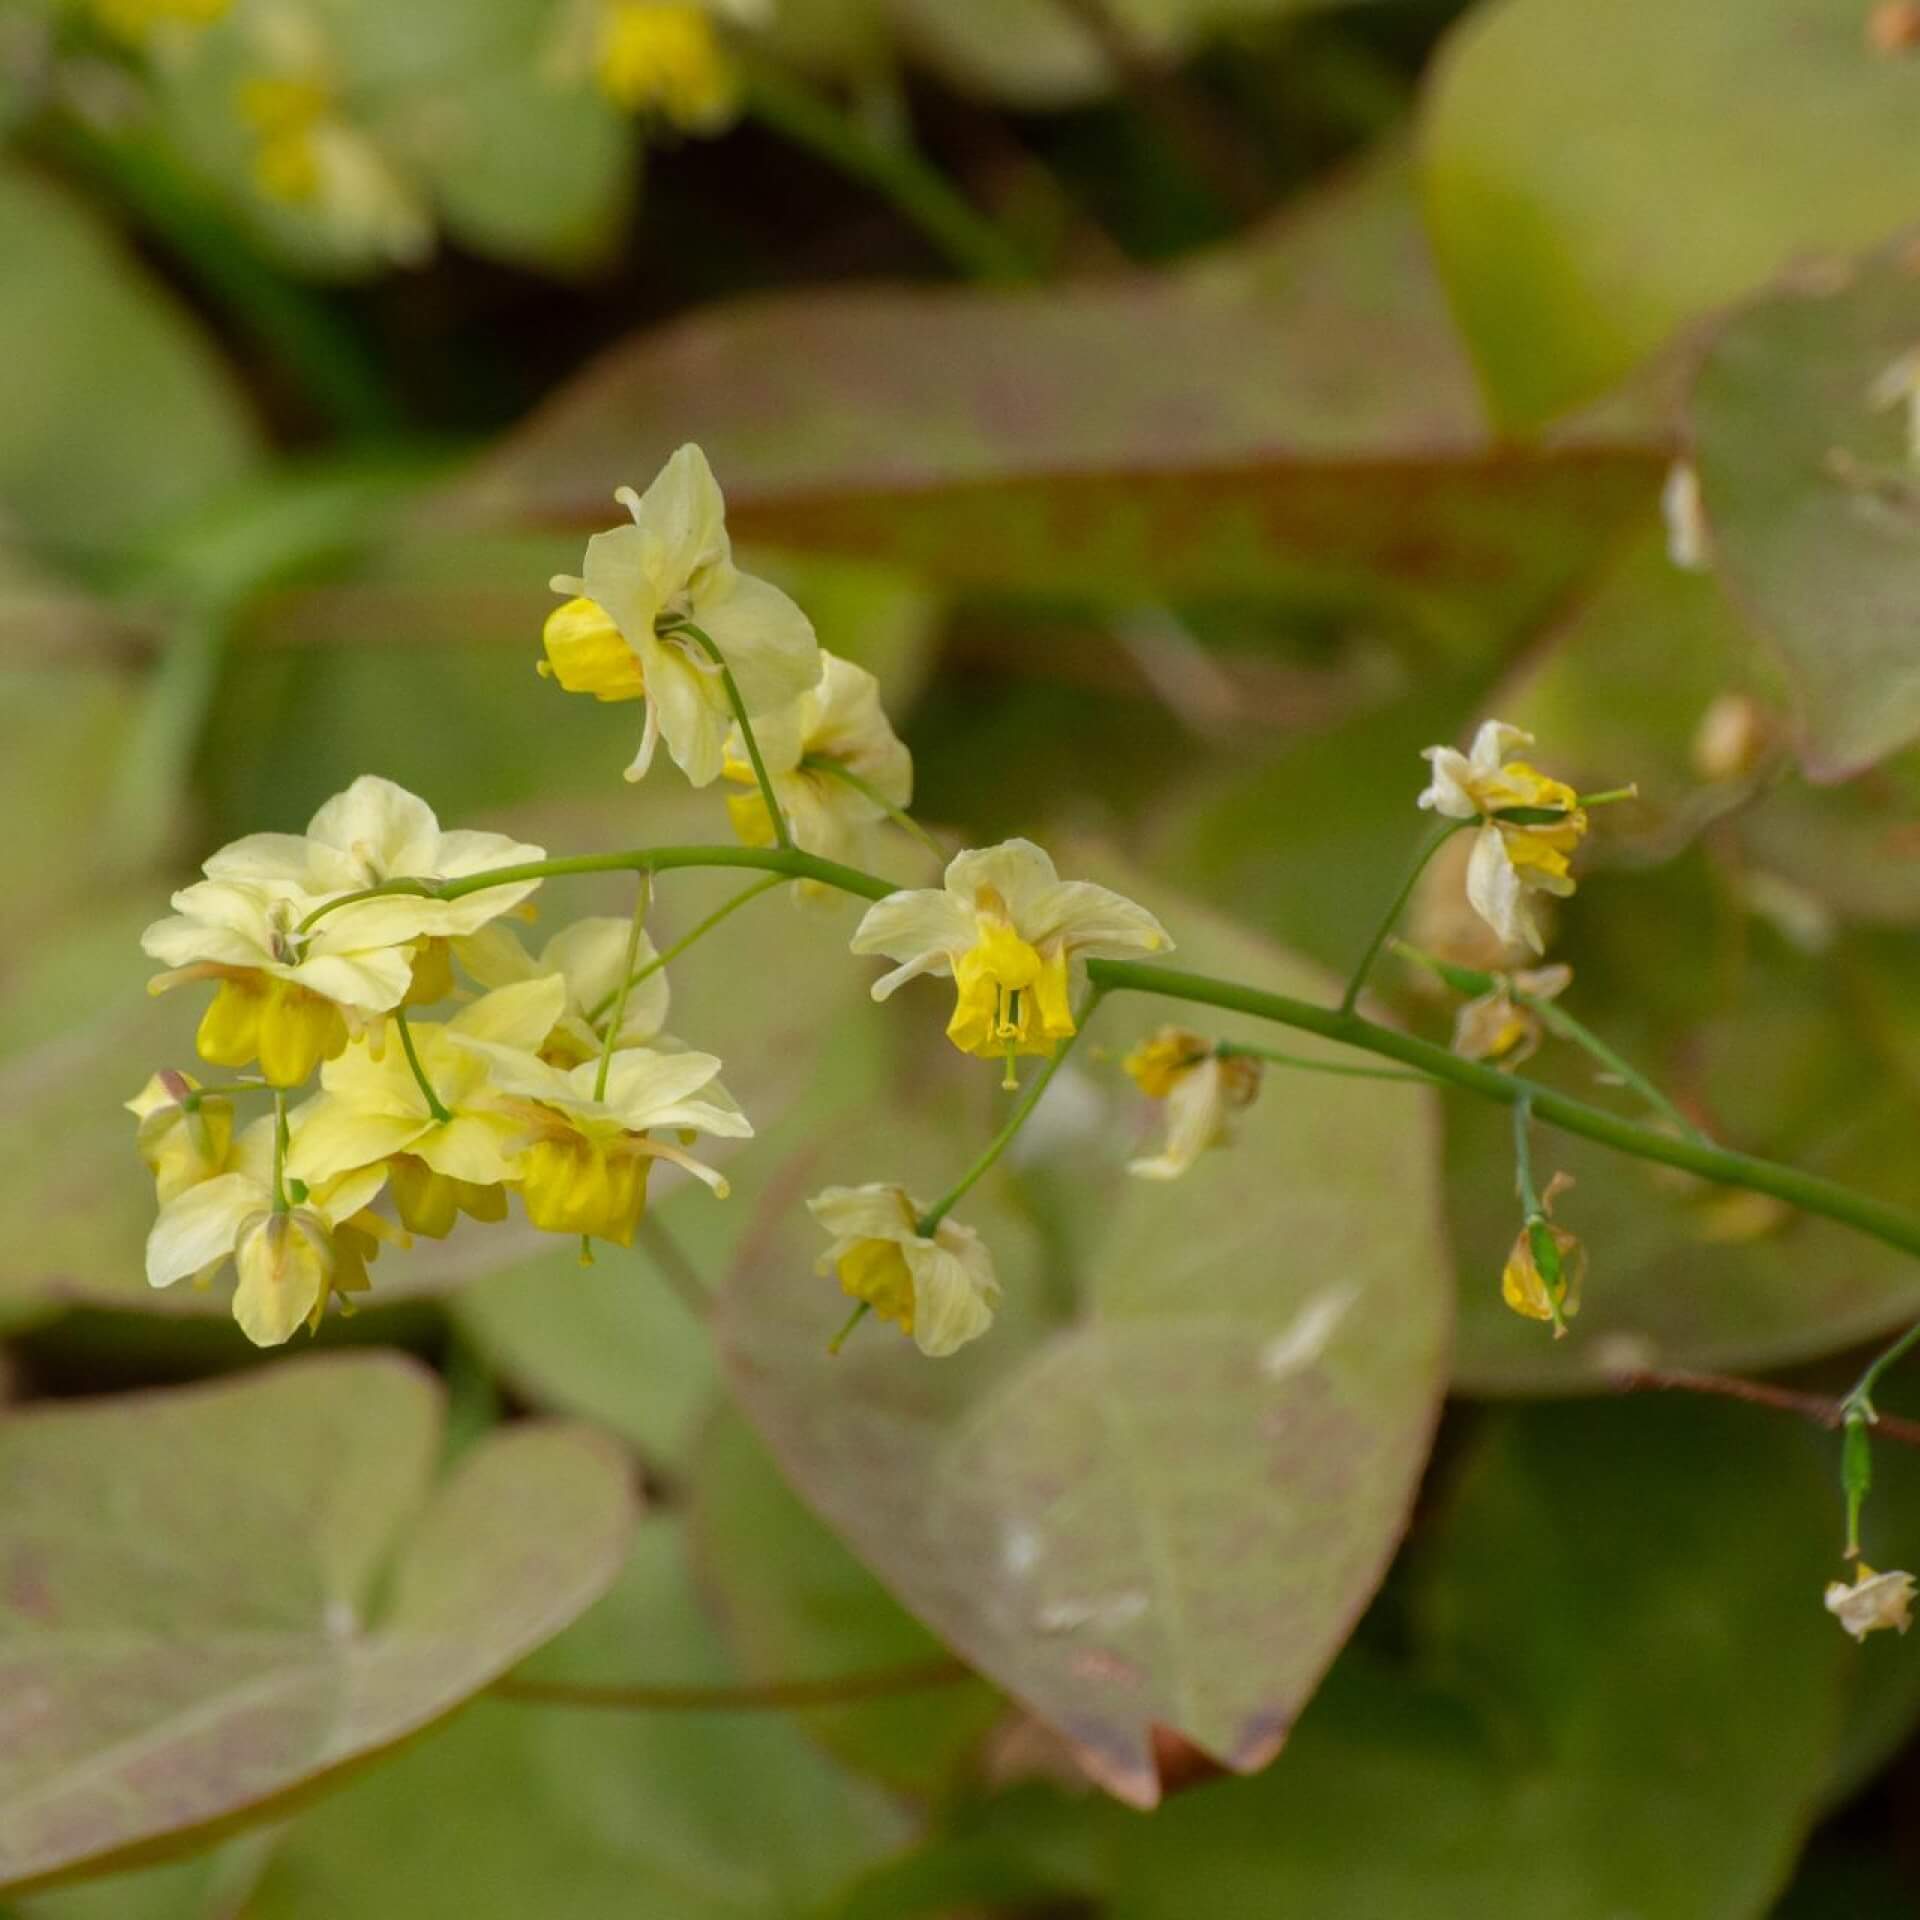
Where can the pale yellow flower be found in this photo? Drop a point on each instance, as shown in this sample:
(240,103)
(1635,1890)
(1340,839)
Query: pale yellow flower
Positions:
(666,57)
(587,1156)
(1547,1266)
(372,1110)
(589,956)
(288,1272)
(837,766)
(1014,938)
(941,1290)
(1500,1028)
(1872,1601)
(1511,860)
(1205,1095)
(623,633)
(182,1139)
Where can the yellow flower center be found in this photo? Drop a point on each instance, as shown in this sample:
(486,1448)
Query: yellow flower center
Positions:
(1012,999)
(876,1271)
(666,59)
(576,1185)
(290,1029)
(587,653)
(1158,1065)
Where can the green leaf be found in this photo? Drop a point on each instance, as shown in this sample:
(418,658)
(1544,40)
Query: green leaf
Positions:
(216,1598)
(1596,179)
(536,1809)
(115,414)
(793,1603)
(1157,1494)
(1812,495)
(1290,414)
(1616,1693)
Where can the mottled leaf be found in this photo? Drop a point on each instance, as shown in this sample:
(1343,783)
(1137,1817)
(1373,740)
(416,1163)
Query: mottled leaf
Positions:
(1597,178)
(217,1597)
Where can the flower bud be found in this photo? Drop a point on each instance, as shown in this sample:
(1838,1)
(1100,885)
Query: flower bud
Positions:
(182,1139)
(286,1267)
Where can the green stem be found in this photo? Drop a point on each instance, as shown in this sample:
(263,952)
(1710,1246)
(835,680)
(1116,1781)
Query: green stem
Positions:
(852,1320)
(1001,1141)
(440,1113)
(1860,1399)
(680,946)
(970,242)
(705,642)
(901,818)
(1523,1159)
(642,899)
(1351,998)
(1230,1049)
(279,1150)
(1810,1192)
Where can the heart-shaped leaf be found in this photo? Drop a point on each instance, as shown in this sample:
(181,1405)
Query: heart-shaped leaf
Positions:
(1154,1498)
(215,1598)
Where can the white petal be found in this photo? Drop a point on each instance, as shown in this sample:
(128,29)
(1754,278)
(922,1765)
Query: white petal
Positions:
(590,954)
(923,926)
(338,1138)
(765,639)
(1495,891)
(692,709)
(473,1147)
(953,1298)
(874,1212)
(1093,919)
(373,982)
(619,578)
(381,824)
(643,1085)
(495,957)
(1196,1109)
(1493,745)
(1018,871)
(180,941)
(197,1228)
(684,519)
(1448,791)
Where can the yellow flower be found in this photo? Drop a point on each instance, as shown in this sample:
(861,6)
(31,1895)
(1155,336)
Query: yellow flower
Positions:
(587,1156)
(1547,1266)
(667,58)
(287,1272)
(372,1110)
(1013,936)
(622,635)
(589,956)
(1873,1601)
(940,1290)
(183,1140)
(1204,1095)
(1500,1028)
(836,764)
(1511,860)
(137,21)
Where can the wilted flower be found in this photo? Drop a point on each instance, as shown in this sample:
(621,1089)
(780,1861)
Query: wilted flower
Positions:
(1499,1027)
(623,635)
(1204,1093)
(1013,935)
(1511,859)
(287,1272)
(837,766)
(184,1137)
(1547,1266)
(1874,1600)
(941,1290)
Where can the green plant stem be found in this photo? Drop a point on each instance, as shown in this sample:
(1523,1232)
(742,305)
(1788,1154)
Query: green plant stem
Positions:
(1001,1141)
(642,900)
(967,239)
(1810,1192)
(1241,1049)
(1860,1399)
(1351,998)
(901,818)
(279,1151)
(680,946)
(439,1112)
(1523,1159)
(707,645)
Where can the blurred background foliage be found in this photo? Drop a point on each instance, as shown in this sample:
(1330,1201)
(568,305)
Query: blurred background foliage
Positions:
(1189,409)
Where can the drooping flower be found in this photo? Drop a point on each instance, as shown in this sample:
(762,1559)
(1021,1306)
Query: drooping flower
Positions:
(1501,1028)
(627,630)
(1871,1601)
(1512,860)
(184,1137)
(589,957)
(1204,1092)
(587,1156)
(837,766)
(373,1110)
(940,1289)
(1014,936)
(1547,1267)
(287,1271)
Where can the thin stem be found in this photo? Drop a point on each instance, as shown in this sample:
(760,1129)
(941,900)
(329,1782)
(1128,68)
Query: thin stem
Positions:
(439,1112)
(1816,1407)
(1523,1159)
(779,100)
(847,1326)
(765,1696)
(642,899)
(1860,1398)
(1558,1020)
(901,818)
(705,642)
(279,1150)
(1017,1119)
(1232,1049)
(1351,998)
(686,940)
